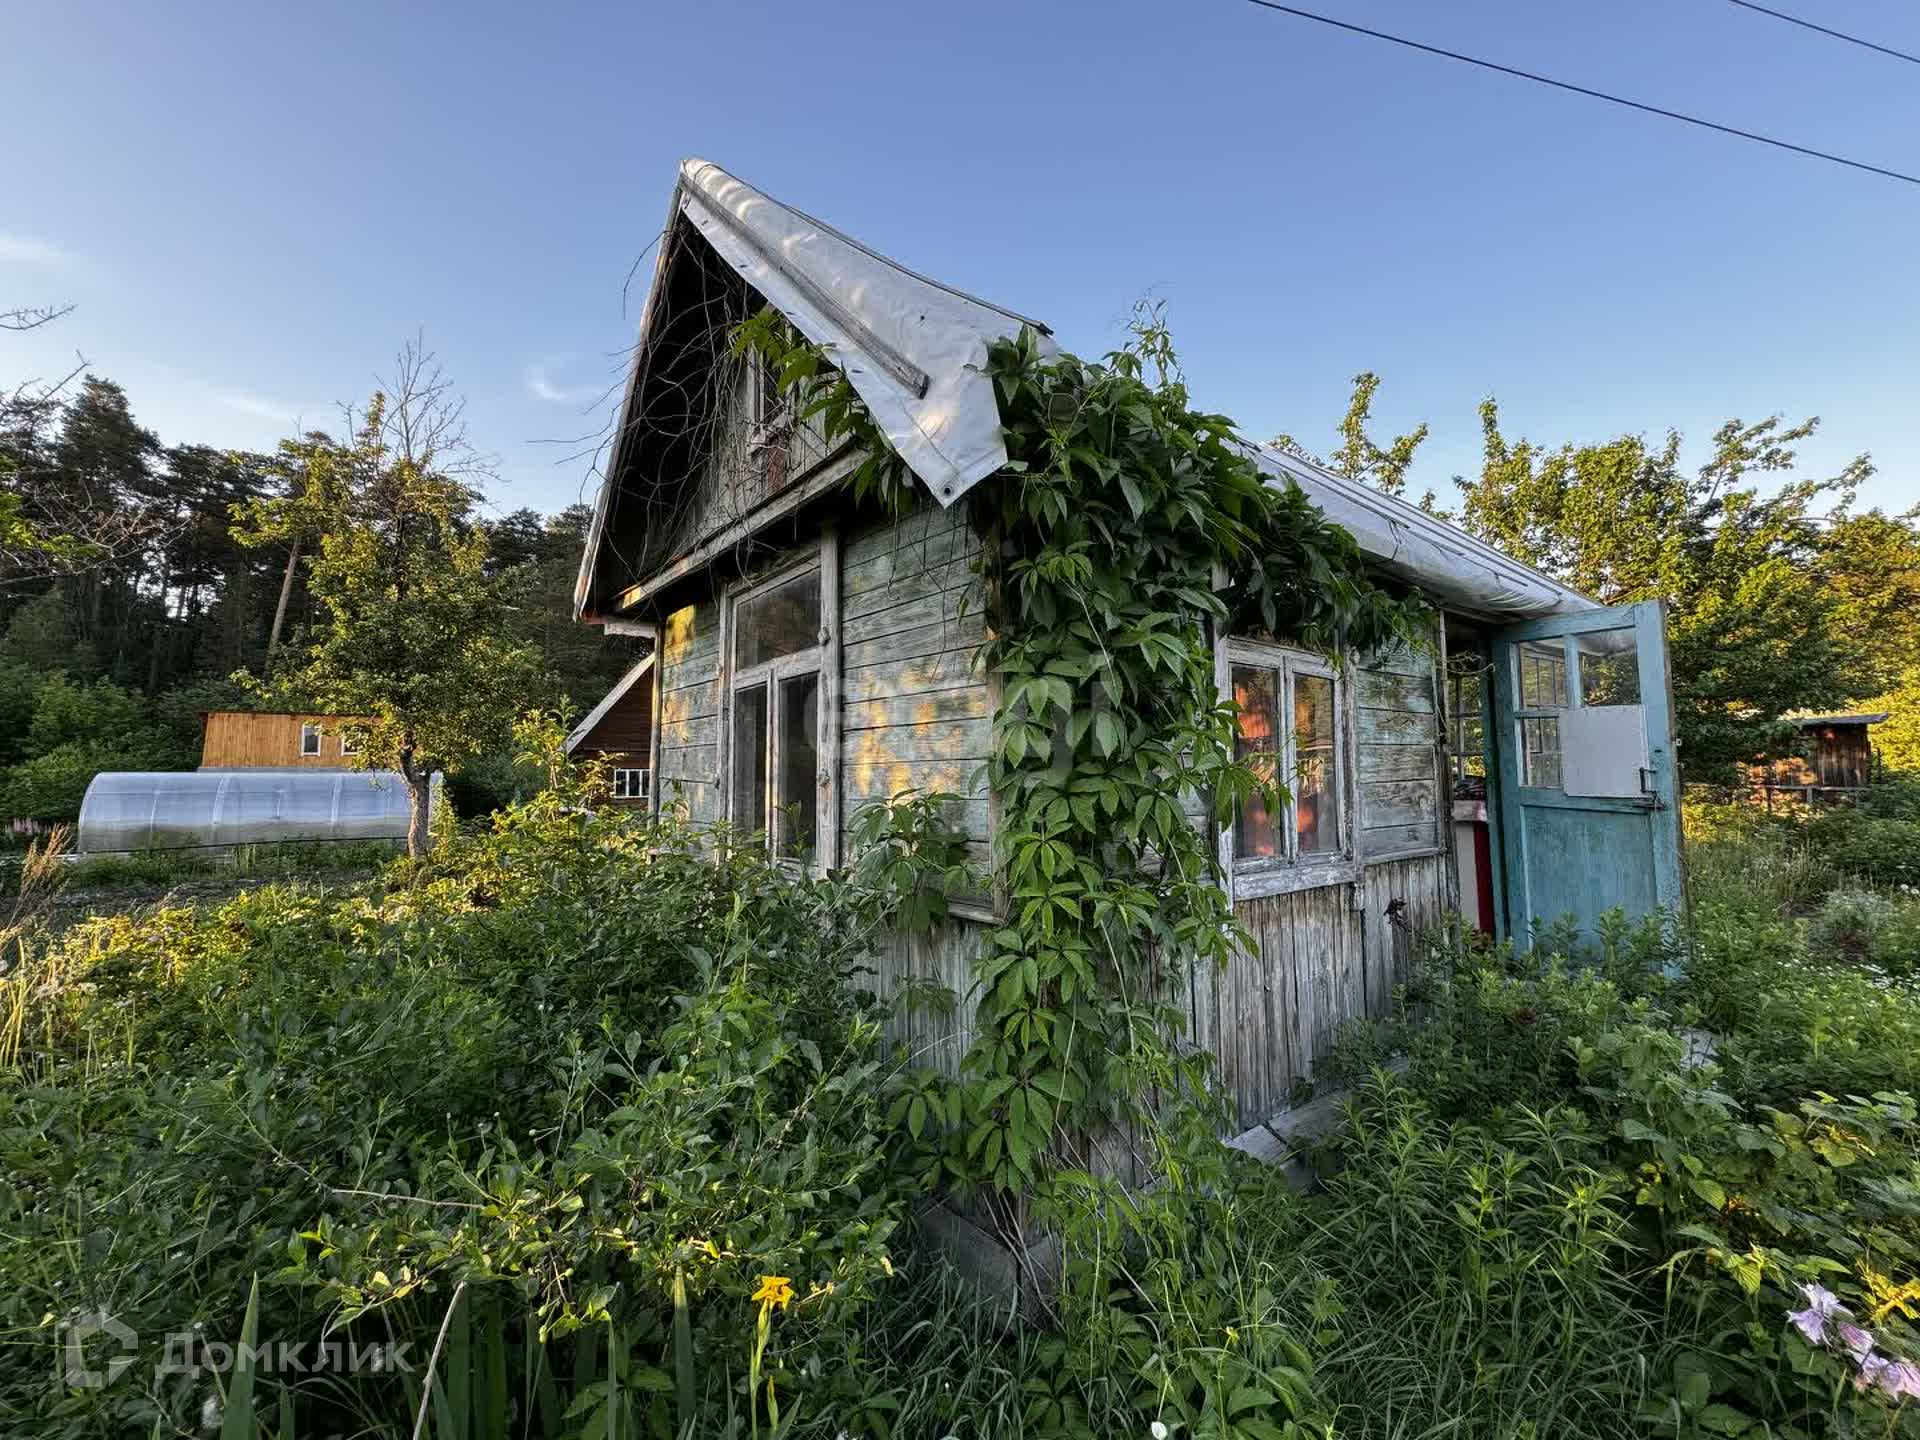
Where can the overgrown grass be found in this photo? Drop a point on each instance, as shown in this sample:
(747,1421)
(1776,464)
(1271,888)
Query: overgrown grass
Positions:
(571,1091)
(276,860)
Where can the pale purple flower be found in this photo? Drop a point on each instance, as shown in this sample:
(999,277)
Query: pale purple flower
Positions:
(1872,1368)
(1822,1306)
(1857,1340)
(1901,1380)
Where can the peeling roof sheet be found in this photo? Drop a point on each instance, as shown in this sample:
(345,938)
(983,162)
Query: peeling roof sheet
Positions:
(915,350)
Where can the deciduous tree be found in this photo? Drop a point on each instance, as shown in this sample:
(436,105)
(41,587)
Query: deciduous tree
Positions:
(413,629)
(1754,625)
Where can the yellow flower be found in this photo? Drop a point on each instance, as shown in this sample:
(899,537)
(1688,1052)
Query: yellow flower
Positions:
(1886,1297)
(774,1290)
(886,1265)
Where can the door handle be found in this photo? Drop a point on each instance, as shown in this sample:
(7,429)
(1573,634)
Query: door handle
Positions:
(1647,791)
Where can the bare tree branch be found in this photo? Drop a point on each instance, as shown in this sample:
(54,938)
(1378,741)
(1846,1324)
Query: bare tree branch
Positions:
(32,317)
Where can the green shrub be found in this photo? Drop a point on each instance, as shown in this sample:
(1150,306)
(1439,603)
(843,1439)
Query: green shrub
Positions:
(1869,847)
(574,1071)
(1897,798)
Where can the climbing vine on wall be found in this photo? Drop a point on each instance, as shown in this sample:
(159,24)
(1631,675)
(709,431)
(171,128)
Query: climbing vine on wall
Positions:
(1112,748)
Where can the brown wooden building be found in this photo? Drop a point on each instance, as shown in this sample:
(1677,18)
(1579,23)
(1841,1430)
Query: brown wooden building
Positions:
(619,730)
(1838,758)
(246,740)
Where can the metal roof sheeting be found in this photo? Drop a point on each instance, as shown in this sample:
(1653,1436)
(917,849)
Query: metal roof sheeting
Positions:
(915,350)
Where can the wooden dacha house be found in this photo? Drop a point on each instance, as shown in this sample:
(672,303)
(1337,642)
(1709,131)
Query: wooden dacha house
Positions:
(813,655)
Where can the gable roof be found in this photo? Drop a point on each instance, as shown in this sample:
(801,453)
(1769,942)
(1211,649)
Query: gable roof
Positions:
(611,699)
(915,351)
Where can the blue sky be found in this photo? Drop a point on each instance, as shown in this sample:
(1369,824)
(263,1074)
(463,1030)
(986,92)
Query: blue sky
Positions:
(253,205)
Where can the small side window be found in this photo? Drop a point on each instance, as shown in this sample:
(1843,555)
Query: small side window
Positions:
(1288,733)
(348,745)
(631,784)
(309,740)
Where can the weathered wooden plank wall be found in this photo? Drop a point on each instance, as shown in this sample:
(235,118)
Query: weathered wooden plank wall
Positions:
(749,464)
(916,708)
(1398,760)
(689,677)
(1271,1018)
(917,713)
(935,1035)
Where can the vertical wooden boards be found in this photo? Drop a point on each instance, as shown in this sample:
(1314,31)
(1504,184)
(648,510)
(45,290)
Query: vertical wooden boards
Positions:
(1279,1007)
(1274,1015)
(932,1038)
(1403,898)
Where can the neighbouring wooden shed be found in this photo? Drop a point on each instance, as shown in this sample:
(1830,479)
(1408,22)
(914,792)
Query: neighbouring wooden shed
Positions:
(252,739)
(815,655)
(1837,761)
(619,731)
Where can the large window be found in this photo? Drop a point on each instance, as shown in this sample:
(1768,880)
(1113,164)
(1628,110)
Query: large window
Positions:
(1291,733)
(773,714)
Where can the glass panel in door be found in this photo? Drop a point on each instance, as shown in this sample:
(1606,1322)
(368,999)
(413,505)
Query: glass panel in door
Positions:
(749,812)
(799,763)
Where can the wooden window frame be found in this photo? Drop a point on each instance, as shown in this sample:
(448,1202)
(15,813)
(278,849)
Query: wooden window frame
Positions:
(1569,685)
(1257,877)
(311,727)
(644,783)
(347,748)
(821,659)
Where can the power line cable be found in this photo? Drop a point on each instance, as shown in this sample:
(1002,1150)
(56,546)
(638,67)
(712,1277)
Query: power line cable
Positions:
(1836,34)
(1584,90)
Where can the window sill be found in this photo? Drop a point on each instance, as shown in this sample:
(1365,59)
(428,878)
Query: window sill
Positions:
(1260,882)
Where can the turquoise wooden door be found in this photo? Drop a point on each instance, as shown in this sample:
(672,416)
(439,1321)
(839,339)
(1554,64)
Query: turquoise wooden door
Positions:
(1588,806)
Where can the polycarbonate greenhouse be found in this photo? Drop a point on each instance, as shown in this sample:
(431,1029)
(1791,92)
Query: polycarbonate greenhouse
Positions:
(126,810)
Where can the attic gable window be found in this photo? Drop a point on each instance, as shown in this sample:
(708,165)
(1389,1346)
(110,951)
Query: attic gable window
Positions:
(309,740)
(774,713)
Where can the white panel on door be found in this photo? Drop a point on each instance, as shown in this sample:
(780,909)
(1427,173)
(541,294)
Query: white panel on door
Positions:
(1603,749)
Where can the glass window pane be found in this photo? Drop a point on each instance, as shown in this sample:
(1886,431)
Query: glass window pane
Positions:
(1543,676)
(799,760)
(749,812)
(1256,744)
(1466,734)
(1540,752)
(777,622)
(1316,806)
(1609,668)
